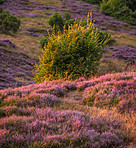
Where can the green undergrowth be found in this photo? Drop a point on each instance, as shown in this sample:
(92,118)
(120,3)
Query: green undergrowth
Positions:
(122,10)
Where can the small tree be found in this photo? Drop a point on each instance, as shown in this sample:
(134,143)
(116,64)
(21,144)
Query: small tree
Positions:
(9,22)
(56,21)
(44,40)
(73,54)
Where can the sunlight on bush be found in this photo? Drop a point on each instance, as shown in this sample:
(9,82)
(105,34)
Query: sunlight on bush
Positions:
(73,54)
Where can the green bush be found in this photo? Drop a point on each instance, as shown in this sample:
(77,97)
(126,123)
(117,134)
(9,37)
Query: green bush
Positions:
(8,22)
(67,16)
(124,10)
(56,21)
(73,54)
(131,4)
(1,1)
(44,40)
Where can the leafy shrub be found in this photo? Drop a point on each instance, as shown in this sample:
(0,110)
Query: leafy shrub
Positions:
(57,21)
(8,22)
(67,16)
(72,54)
(131,4)
(1,1)
(123,10)
(119,94)
(44,40)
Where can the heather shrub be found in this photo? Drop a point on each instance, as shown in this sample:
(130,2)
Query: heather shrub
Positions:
(44,40)
(1,1)
(120,9)
(51,128)
(8,22)
(73,54)
(119,94)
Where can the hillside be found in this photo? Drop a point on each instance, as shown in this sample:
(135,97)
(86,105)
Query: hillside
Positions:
(34,17)
(54,114)
(96,112)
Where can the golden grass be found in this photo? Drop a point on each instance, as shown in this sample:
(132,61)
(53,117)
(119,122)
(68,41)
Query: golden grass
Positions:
(49,2)
(27,44)
(124,39)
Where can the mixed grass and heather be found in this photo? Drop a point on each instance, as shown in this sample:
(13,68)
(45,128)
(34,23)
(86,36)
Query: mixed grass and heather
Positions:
(31,116)
(98,110)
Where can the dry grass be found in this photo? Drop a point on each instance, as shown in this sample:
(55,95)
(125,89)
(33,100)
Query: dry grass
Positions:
(111,66)
(27,44)
(124,39)
(49,2)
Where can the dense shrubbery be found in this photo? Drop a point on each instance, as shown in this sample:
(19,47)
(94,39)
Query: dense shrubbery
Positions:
(72,54)
(44,40)
(8,22)
(124,10)
(1,1)
(58,23)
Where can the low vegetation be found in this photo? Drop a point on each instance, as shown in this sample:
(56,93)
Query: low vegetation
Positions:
(123,10)
(92,102)
(32,116)
(74,53)
(8,22)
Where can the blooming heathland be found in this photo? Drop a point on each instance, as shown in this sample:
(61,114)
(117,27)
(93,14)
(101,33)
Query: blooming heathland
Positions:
(31,116)
(98,112)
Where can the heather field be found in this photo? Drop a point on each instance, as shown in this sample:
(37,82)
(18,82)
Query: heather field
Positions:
(98,111)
